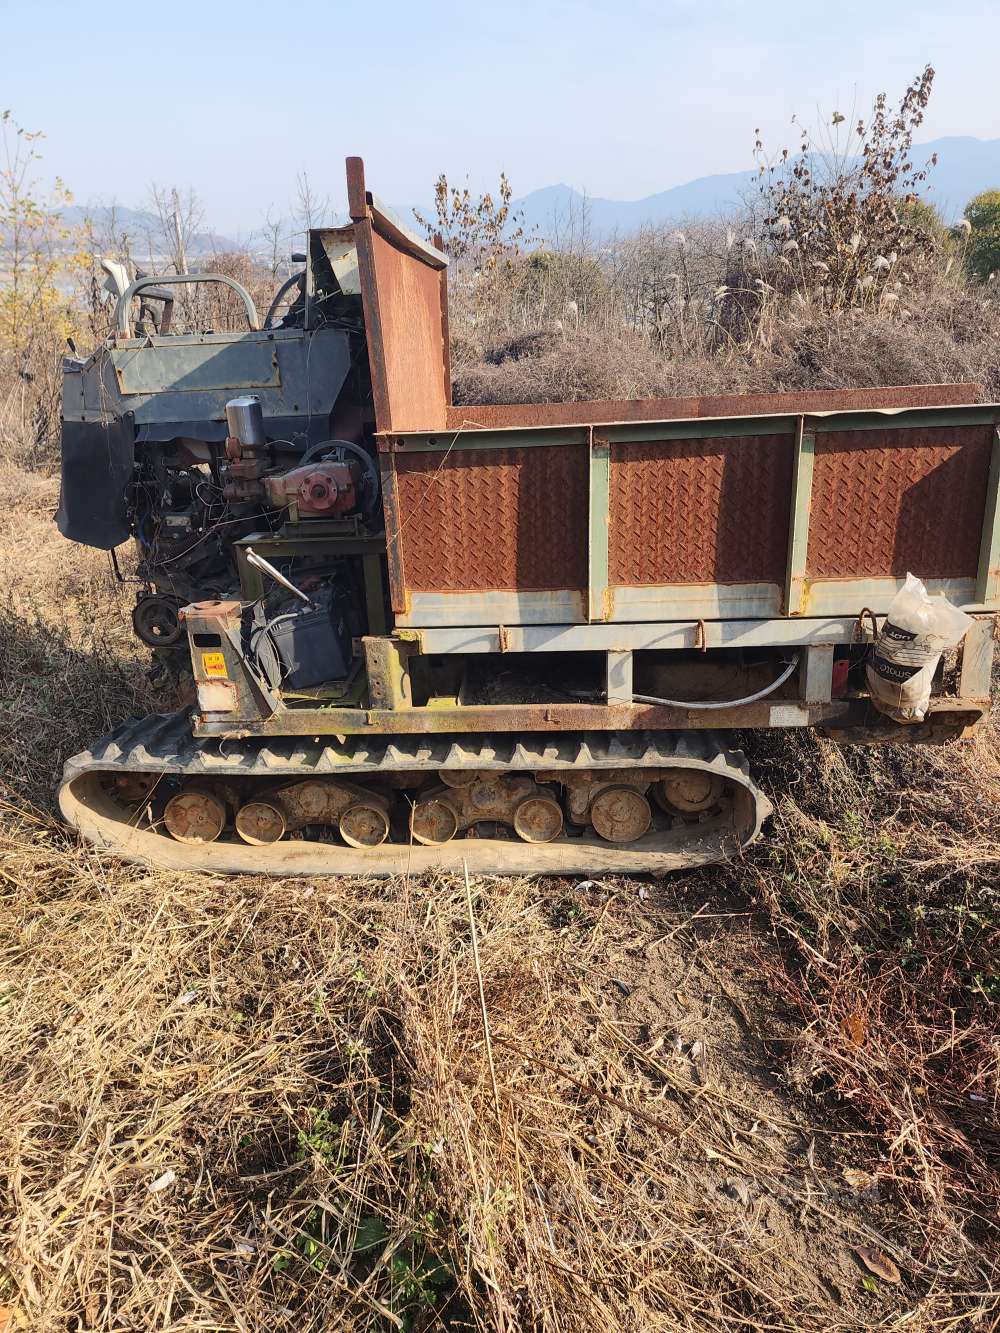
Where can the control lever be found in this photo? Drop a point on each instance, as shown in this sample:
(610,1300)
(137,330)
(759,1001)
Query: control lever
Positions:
(266,567)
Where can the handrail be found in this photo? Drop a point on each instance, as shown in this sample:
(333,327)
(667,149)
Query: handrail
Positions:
(286,286)
(123,318)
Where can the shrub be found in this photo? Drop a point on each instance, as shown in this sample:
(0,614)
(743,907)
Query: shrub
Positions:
(982,250)
(839,221)
(36,314)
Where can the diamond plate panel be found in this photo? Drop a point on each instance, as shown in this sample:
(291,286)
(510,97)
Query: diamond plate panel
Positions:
(494,519)
(886,502)
(700,511)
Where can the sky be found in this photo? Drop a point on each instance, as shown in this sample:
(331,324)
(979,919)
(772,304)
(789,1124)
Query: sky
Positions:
(622,100)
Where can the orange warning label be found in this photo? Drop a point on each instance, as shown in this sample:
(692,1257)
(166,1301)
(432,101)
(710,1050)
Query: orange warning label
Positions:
(213,664)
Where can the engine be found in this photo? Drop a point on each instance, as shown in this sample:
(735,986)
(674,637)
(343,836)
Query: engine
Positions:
(197,443)
(194,518)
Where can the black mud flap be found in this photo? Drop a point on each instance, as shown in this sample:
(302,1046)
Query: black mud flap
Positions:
(97,461)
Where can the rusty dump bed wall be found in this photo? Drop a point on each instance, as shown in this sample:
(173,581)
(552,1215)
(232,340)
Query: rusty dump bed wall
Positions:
(757,506)
(405,296)
(805,514)
(494,519)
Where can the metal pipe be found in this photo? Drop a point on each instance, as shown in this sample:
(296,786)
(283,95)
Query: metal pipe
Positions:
(123,317)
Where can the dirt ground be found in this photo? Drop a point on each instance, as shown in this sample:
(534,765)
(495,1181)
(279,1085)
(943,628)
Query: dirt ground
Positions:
(257,1104)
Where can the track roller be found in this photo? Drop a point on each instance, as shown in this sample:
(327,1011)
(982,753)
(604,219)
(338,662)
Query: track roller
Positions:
(688,791)
(538,819)
(260,823)
(194,816)
(620,814)
(433,822)
(465,799)
(362,817)
(364,826)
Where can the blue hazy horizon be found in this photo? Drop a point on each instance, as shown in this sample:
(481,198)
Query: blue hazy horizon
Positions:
(234,100)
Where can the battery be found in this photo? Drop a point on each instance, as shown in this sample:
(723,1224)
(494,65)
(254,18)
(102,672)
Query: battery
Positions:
(313,647)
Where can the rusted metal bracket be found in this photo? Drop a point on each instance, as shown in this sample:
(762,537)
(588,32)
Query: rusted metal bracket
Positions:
(386,661)
(227,689)
(619,677)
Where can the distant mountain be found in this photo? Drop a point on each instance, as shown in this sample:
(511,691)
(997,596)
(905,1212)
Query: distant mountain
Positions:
(141,227)
(965,167)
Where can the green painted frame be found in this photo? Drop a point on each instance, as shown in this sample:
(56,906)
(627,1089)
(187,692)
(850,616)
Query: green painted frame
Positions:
(599,493)
(988,573)
(800,505)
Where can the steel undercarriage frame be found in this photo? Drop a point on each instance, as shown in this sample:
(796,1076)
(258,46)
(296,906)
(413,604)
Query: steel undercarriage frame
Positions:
(241,705)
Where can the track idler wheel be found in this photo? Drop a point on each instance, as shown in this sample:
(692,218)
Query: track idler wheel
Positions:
(194,816)
(688,791)
(620,814)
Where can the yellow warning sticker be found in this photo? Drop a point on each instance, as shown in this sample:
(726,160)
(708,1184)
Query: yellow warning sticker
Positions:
(213,664)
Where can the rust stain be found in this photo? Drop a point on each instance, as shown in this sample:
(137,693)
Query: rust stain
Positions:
(496,417)
(412,352)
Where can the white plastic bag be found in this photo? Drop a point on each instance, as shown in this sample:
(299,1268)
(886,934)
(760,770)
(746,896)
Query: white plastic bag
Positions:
(917,630)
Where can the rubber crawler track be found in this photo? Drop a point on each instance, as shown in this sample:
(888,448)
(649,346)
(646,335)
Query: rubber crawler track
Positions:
(163,744)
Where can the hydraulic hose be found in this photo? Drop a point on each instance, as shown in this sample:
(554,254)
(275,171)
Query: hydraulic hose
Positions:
(724,703)
(709,706)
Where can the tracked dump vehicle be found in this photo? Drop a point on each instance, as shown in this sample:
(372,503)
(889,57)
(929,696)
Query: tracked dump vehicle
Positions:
(520,637)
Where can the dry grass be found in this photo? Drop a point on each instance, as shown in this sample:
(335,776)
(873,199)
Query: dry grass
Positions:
(949,336)
(676,1129)
(882,874)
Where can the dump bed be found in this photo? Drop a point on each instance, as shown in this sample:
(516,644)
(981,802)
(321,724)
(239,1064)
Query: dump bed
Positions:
(790,514)
(795,506)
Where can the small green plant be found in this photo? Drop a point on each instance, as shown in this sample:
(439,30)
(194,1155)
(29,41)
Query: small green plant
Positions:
(419,1276)
(419,1271)
(568,912)
(325,1138)
(311,1242)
